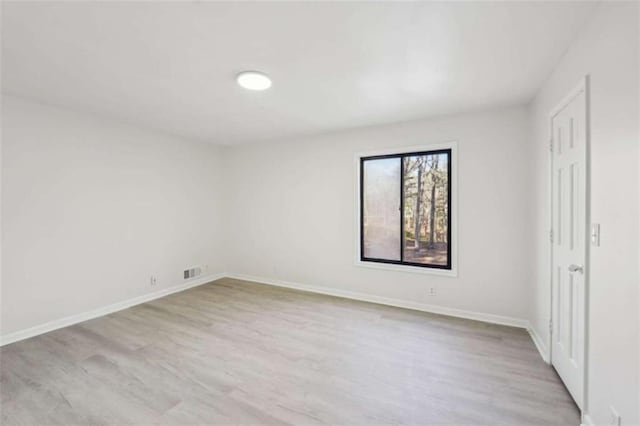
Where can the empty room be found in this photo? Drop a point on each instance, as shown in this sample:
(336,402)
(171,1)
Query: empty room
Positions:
(320,212)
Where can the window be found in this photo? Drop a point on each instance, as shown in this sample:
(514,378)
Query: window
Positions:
(406,210)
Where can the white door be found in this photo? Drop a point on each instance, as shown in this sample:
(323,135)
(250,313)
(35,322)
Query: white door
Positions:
(569,208)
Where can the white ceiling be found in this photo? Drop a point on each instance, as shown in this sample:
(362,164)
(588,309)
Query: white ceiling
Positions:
(171,65)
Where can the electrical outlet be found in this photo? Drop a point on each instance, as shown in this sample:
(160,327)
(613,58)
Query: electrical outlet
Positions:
(614,417)
(431,291)
(153,280)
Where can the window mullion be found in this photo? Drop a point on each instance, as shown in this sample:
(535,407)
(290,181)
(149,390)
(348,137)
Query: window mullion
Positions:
(401,208)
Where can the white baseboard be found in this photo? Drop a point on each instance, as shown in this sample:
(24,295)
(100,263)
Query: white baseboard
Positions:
(540,345)
(442,310)
(74,319)
(586,420)
(459,313)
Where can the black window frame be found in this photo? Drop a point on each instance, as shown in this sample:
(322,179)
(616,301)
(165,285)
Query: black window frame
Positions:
(401,156)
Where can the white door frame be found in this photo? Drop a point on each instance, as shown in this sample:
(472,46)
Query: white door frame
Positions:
(583,86)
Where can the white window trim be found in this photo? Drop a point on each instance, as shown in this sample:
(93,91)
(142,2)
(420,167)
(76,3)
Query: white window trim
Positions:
(453,272)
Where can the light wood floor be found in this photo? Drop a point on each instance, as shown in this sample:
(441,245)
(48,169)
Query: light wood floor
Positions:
(232,352)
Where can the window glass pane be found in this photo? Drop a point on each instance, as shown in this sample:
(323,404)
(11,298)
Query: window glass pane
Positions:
(381,208)
(426,209)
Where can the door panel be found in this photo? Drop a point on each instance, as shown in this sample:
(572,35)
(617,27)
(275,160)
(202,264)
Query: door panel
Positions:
(569,250)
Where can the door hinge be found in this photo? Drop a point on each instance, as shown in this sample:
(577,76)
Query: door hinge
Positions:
(551,235)
(551,145)
(550,326)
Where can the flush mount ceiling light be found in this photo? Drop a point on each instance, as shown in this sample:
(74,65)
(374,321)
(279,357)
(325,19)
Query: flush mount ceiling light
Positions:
(253,80)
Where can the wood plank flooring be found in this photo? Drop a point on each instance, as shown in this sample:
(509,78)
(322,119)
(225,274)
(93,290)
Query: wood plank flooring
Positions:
(232,352)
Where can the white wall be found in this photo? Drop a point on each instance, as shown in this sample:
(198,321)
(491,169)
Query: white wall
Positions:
(92,208)
(292,212)
(607,50)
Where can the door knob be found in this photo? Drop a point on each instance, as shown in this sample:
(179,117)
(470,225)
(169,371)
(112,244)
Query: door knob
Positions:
(576,268)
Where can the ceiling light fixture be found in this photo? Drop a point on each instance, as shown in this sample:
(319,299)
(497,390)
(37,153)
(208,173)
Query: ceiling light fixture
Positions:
(253,80)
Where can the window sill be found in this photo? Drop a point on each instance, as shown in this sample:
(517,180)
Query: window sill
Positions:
(452,273)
